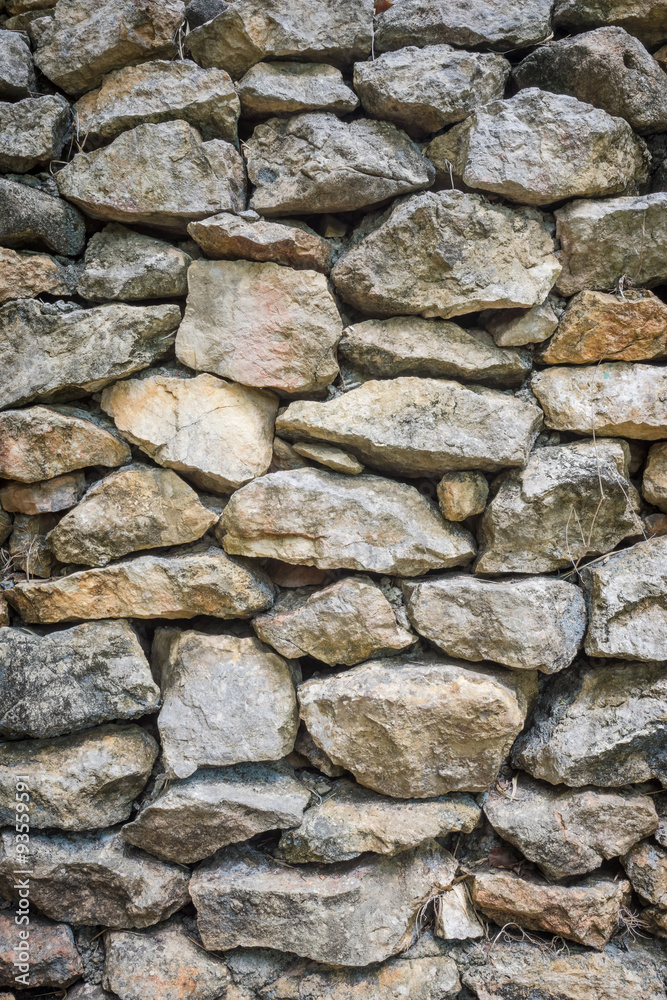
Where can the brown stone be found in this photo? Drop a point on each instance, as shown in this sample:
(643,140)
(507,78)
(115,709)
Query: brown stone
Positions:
(330,456)
(654,483)
(53,957)
(59,493)
(462,494)
(28,545)
(646,866)
(25,275)
(229,237)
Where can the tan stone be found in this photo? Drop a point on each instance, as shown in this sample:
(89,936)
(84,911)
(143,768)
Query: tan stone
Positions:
(517,327)
(60,493)
(654,483)
(285,457)
(333,458)
(4,612)
(290,88)
(228,237)
(26,275)
(462,494)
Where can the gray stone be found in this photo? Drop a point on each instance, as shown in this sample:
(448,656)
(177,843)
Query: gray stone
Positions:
(122,264)
(537,623)
(32,215)
(63,681)
(28,546)
(517,327)
(47,497)
(53,958)
(79,782)
(462,494)
(88,991)
(308,750)
(646,866)
(17,73)
(291,88)
(229,237)
(33,131)
(654,481)
(646,19)
(317,163)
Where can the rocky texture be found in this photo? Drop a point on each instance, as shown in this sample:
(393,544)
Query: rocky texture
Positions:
(160,91)
(32,215)
(122,264)
(193,818)
(32,132)
(132,509)
(190,179)
(229,237)
(55,683)
(25,275)
(517,327)
(79,782)
(17,73)
(289,88)
(218,434)
(487,23)
(654,483)
(424,89)
(260,324)
(598,725)
(333,458)
(28,546)
(177,585)
(646,867)
(225,700)
(345,623)
(646,20)
(52,495)
(448,253)
(552,513)
(569,832)
(417,728)
(322,519)
(462,495)
(533,624)
(50,352)
(53,959)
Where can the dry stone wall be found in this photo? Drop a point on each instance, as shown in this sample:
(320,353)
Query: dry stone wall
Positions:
(333,499)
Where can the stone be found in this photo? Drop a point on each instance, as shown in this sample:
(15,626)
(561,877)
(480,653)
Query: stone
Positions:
(294,244)
(160,91)
(455,917)
(345,623)
(424,89)
(599,725)
(535,623)
(49,352)
(560,148)
(28,546)
(17,73)
(249,33)
(122,264)
(619,399)
(587,912)
(285,457)
(27,275)
(307,750)
(135,508)
(654,482)
(552,513)
(569,831)
(52,959)
(418,728)
(517,327)
(333,458)
(355,913)
(86,39)
(88,991)
(419,427)
(190,179)
(261,325)
(646,866)
(32,215)
(41,443)
(225,701)
(78,782)
(462,494)
(317,163)
(72,679)
(645,19)
(281,89)
(56,494)
(448,253)
(324,519)
(33,132)
(95,878)
(217,433)
(408,345)
(353,820)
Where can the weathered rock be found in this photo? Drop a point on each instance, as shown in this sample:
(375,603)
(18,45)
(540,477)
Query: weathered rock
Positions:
(95,878)
(448,253)
(654,483)
(228,237)
(87,39)
(56,494)
(55,683)
(588,912)
(316,518)
(25,275)
(214,807)
(291,88)
(28,545)
(216,433)
(160,91)
(122,264)
(517,327)
(190,179)
(462,494)
(346,623)
(317,163)
(17,73)
(333,458)
(225,701)
(40,443)
(423,89)
(33,131)
(646,867)
(646,19)
(88,991)
(598,725)
(420,427)
(52,958)
(569,832)
(560,148)
(418,728)
(408,345)
(488,23)
(308,750)
(536,623)
(551,513)
(260,324)
(79,782)
(32,215)
(248,33)
(50,352)
(607,68)
(353,914)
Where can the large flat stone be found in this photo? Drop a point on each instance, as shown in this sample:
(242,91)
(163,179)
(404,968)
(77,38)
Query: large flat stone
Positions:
(291,88)
(647,21)
(33,215)
(229,237)
(53,958)
(17,73)
(60,493)
(123,264)
(33,132)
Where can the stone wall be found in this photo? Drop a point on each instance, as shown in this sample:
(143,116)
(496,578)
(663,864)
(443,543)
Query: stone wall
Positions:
(333,486)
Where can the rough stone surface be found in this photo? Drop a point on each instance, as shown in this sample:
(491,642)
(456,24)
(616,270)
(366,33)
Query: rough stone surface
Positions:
(28,546)
(333,458)
(646,867)
(228,237)
(292,88)
(317,163)
(517,327)
(122,264)
(462,494)
(17,73)
(63,681)
(654,483)
(25,275)
(448,253)
(533,624)
(315,518)
(79,782)
(53,956)
(52,495)
(418,728)
(646,19)
(32,215)
(216,433)
(33,131)
(260,324)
